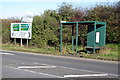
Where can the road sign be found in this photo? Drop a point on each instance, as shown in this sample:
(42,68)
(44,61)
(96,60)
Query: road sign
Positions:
(21,30)
(27,19)
(15,27)
(25,27)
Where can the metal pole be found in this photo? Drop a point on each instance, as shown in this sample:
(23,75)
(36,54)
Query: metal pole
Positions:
(72,37)
(94,37)
(21,42)
(105,34)
(60,37)
(27,42)
(15,41)
(76,36)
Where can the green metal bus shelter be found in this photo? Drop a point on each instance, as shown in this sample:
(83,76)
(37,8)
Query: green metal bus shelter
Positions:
(96,34)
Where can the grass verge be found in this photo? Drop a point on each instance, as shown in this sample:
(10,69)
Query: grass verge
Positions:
(110,51)
(12,47)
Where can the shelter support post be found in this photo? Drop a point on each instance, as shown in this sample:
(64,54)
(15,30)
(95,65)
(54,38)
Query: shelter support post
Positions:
(60,37)
(105,33)
(76,37)
(94,37)
(72,37)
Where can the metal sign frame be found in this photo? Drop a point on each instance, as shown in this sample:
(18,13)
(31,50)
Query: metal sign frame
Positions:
(21,30)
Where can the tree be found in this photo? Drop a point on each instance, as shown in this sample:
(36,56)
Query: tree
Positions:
(65,11)
(6,29)
(78,15)
(118,14)
(44,30)
(107,14)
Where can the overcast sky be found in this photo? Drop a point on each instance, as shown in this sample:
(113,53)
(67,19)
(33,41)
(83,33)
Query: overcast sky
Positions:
(20,8)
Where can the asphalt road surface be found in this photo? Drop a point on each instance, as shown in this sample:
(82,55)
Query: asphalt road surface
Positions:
(29,65)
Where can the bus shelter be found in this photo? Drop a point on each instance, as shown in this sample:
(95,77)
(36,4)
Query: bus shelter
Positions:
(96,34)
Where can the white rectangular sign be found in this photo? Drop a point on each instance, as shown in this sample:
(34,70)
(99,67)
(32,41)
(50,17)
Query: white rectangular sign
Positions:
(21,30)
(97,37)
(27,19)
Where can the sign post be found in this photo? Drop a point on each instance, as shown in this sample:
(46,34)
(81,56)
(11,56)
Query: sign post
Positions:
(22,31)
(27,42)
(15,41)
(21,42)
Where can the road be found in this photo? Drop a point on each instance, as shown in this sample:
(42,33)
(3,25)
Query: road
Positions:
(30,65)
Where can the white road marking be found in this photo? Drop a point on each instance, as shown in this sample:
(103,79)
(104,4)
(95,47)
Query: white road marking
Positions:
(82,70)
(7,53)
(35,72)
(87,75)
(42,64)
(20,67)
(89,71)
(35,63)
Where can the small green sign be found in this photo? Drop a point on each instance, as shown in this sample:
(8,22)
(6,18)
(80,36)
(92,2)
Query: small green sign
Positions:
(24,27)
(15,27)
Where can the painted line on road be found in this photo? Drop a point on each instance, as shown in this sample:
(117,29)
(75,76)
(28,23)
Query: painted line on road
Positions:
(86,75)
(7,53)
(35,72)
(89,71)
(42,67)
(41,64)
(70,68)
(81,70)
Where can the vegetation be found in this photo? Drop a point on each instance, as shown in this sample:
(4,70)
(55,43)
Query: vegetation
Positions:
(110,52)
(45,29)
(107,14)
(13,47)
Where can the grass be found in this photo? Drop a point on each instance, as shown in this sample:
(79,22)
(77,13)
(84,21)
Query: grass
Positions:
(109,52)
(12,47)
